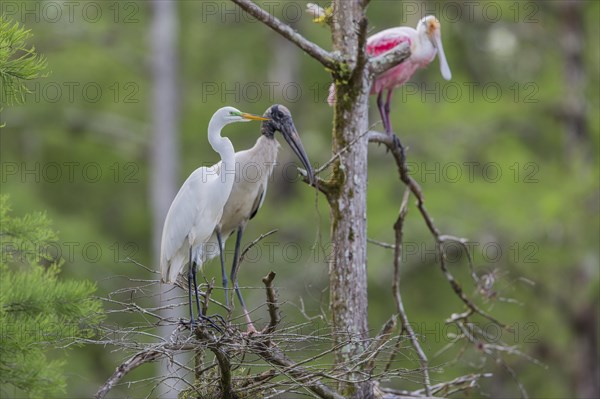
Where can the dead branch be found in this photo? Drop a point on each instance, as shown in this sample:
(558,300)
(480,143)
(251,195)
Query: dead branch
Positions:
(271,303)
(224,362)
(260,378)
(398,230)
(252,244)
(381,244)
(209,288)
(327,59)
(396,148)
(230,347)
(445,388)
(380,340)
(325,186)
(132,363)
(274,355)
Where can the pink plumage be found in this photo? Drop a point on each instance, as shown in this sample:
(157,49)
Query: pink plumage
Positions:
(425,42)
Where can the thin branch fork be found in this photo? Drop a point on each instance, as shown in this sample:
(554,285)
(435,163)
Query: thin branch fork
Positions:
(392,142)
(271,303)
(275,356)
(399,233)
(224,362)
(135,361)
(327,59)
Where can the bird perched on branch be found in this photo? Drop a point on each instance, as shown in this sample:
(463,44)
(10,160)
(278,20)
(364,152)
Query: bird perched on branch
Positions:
(253,167)
(425,42)
(249,189)
(198,207)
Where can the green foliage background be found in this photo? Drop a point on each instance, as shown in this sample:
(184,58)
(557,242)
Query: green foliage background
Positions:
(39,311)
(498,169)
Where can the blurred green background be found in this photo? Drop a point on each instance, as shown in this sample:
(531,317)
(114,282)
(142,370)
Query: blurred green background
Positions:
(506,152)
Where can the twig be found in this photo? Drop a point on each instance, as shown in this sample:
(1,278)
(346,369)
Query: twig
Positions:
(327,59)
(274,355)
(380,341)
(463,243)
(135,262)
(253,243)
(381,244)
(209,287)
(398,230)
(457,384)
(271,303)
(258,379)
(340,152)
(323,185)
(137,360)
(225,370)
(394,351)
(398,151)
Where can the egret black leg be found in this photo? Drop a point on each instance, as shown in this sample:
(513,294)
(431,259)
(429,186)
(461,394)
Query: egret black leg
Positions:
(380,106)
(223,273)
(194,270)
(234,270)
(190,279)
(386,109)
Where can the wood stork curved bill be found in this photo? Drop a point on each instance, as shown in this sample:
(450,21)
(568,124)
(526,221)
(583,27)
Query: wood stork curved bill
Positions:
(198,206)
(249,189)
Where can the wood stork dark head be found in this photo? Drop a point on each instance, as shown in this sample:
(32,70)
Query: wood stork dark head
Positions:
(280,120)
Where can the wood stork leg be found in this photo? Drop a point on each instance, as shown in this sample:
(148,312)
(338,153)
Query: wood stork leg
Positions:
(233,276)
(386,110)
(223,273)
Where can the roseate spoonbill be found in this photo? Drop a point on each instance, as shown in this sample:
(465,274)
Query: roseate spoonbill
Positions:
(253,169)
(425,42)
(198,206)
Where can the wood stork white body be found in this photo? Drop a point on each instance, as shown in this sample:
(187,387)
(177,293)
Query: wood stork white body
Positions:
(198,206)
(254,167)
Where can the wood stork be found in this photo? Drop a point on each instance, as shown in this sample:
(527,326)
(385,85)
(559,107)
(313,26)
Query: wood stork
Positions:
(198,206)
(425,42)
(253,169)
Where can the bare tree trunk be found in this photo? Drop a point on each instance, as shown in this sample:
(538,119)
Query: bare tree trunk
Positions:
(348,266)
(164,148)
(572,44)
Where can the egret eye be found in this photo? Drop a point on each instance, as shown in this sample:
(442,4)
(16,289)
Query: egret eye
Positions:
(233,113)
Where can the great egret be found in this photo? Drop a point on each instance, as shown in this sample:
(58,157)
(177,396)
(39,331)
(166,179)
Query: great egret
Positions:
(198,206)
(253,169)
(425,42)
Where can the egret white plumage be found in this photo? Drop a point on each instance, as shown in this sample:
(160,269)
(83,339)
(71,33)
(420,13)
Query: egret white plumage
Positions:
(425,42)
(198,206)
(249,188)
